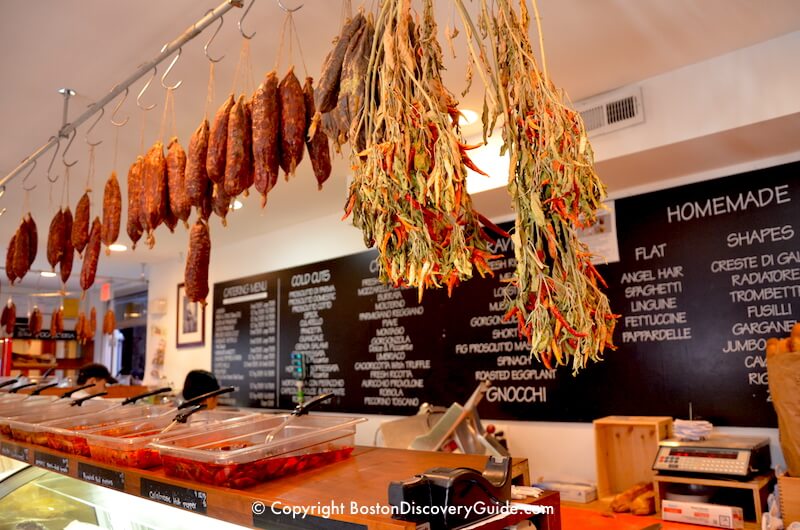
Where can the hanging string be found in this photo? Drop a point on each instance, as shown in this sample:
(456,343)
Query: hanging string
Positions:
(26,203)
(65,188)
(141,134)
(172,112)
(299,46)
(249,80)
(90,172)
(167,103)
(210,91)
(347,12)
(242,66)
(116,147)
(289,23)
(280,46)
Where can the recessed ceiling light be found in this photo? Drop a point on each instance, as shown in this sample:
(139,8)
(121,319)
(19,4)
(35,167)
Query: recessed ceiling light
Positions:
(488,159)
(237,204)
(468,117)
(48,274)
(117,247)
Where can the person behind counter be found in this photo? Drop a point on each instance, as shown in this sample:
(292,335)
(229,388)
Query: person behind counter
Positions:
(96,374)
(199,382)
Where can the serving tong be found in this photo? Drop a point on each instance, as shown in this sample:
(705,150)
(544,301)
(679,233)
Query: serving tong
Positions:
(189,407)
(300,410)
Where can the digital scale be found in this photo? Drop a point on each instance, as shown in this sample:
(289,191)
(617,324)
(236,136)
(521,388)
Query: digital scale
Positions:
(724,456)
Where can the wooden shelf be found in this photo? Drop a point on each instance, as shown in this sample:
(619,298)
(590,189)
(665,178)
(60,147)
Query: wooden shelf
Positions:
(759,486)
(363,479)
(86,352)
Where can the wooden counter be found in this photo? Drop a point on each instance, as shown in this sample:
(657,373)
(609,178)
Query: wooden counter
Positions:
(362,479)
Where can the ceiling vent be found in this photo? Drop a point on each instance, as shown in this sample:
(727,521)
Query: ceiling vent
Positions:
(611,111)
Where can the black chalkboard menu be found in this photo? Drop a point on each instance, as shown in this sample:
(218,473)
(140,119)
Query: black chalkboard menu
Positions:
(707,273)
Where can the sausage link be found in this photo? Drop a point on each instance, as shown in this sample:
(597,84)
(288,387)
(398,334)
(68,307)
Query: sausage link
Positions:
(11,318)
(235,157)
(135,191)
(68,253)
(176,181)
(80,227)
(221,203)
(316,142)
(4,316)
(91,256)
(293,123)
(266,114)
(21,249)
(155,189)
(33,239)
(80,328)
(330,78)
(217,142)
(92,324)
(57,322)
(112,211)
(207,206)
(55,239)
(197,262)
(109,322)
(35,321)
(10,269)
(196,174)
(248,175)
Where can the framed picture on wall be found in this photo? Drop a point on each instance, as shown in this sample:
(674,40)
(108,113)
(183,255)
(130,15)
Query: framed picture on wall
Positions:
(191,321)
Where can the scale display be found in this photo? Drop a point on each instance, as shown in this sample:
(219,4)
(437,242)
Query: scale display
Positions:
(724,456)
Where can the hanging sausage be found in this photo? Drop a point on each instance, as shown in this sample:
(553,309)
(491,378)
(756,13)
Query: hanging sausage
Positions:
(55,239)
(266,135)
(135,192)
(293,123)
(112,211)
(197,262)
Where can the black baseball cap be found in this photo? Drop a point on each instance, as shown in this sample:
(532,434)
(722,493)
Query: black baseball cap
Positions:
(96,370)
(199,382)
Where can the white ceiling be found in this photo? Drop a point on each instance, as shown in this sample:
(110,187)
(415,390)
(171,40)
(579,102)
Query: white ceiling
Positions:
(89,45)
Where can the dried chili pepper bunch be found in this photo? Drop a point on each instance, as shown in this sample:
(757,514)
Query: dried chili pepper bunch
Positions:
(409,192)
(554,293)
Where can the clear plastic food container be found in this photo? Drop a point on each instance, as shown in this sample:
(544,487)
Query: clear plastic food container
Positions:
(128,443)
(67,434)
(239,456)
(25,427)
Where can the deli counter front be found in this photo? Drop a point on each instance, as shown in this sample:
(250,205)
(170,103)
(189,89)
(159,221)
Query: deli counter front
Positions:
(33,498)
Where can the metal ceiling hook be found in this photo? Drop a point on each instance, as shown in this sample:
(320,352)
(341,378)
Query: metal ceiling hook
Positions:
(169,69)
(214,36)
(116,109)
(144,89)
(298,8)
(64,154)
(89,130)
(26,178)
(50,167)
(241,30)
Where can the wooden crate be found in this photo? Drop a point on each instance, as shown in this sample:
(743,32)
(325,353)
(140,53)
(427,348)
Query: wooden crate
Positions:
(626,447)
(790,499)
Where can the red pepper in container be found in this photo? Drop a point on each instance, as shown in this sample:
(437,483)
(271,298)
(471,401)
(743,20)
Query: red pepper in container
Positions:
(239,456)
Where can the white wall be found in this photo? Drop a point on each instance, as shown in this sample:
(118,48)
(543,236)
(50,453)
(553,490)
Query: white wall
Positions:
(740,88)
(734,90)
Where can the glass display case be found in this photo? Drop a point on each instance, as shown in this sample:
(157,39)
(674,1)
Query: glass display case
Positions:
(35,499)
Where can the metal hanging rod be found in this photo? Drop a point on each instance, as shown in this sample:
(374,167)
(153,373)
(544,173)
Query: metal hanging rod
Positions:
(170,48)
